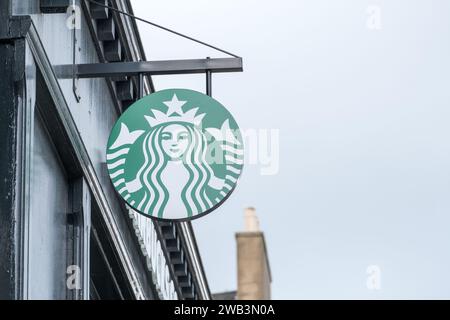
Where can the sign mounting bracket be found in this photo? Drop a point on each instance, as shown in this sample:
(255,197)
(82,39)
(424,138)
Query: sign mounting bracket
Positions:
(159,67)
(207,66)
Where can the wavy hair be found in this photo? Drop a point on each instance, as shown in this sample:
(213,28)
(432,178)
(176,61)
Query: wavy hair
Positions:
(156,195)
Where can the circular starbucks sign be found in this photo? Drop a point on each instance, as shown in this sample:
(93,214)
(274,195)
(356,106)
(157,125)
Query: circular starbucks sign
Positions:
(175,154)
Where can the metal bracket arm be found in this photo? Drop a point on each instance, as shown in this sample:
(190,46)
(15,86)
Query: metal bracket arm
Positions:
(167,67)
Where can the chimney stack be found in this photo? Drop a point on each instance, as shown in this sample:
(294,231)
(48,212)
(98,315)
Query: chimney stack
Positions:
(253,264)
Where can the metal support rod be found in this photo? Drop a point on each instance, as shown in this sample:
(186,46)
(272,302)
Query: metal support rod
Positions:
(208,82)
(141,85)
(118,69)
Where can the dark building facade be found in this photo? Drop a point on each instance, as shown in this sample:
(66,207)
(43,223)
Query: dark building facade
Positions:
(64,232)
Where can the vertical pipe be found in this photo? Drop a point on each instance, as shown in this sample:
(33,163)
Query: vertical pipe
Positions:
(141,85)
(74,57)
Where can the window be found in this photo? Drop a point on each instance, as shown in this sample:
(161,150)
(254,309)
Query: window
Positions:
(57,250)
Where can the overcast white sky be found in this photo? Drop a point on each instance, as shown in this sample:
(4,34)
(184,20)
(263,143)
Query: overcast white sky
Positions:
(364,128)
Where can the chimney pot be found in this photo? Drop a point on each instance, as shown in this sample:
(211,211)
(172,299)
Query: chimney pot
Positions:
(251,220)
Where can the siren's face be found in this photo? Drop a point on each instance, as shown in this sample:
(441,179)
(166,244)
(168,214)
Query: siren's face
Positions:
(174,141)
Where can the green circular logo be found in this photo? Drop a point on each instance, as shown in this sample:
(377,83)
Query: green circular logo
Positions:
(175,154)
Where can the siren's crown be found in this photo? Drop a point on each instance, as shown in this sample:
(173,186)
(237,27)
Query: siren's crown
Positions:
(174,113)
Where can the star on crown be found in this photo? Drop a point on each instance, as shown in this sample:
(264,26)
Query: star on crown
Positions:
(174,113)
